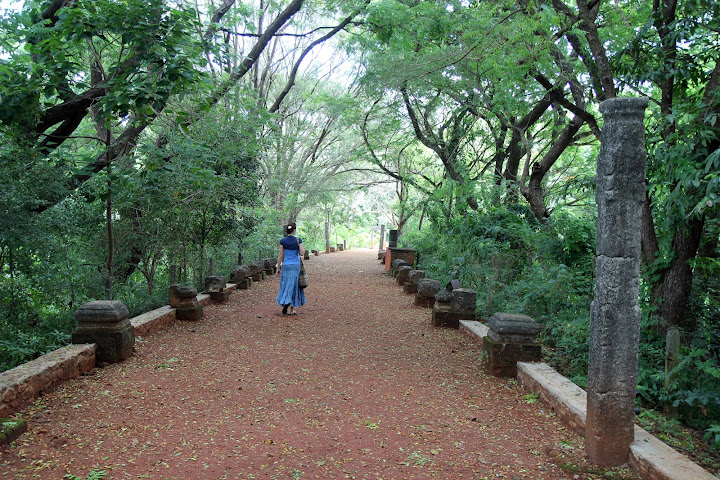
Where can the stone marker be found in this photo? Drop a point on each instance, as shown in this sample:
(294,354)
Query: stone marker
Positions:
(392,238)
(381,255)
(452,306)
(241,277)
(382,237)
(427,289)
(269,266)
(340,247)
(410,286)
(614,313)
(215,286)
(105,323)
(306,255)
(214,283)
(11,429)
(256,271)
(184,300)
(511,338)
(402,274)
(397,263)
(332,249)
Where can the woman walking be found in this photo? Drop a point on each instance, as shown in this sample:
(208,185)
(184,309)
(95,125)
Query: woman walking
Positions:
(290,295)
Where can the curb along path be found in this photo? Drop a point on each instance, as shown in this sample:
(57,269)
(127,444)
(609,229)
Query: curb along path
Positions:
(357,385)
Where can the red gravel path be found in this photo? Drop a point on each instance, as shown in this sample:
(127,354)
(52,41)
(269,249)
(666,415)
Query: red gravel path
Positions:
(358,385)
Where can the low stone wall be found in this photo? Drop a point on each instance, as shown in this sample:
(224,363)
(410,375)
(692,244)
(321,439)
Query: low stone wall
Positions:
(153,321)
(649,456)
(23,384)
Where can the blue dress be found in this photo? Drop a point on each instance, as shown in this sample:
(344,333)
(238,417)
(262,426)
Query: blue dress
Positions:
(289,292)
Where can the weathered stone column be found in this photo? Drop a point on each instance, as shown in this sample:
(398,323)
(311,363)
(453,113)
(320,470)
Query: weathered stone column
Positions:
(392,239)
(615,314)
(382,237)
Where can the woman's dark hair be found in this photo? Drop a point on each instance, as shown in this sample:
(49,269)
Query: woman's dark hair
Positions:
(289,228)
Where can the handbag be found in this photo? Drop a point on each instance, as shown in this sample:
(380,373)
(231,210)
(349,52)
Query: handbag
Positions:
(303,278)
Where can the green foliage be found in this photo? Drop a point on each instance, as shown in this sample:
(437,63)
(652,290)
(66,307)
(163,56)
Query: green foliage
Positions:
(712,435)
(96,474)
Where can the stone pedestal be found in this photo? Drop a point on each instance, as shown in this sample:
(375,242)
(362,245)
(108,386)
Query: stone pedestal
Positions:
(414,277)
(395,265)
(614,313)
(11,429)
(442,311)
(105,323)
(184,301)
(215,287)
(240,273)
(340,247)
(402,274)
(381,255)
(510,339)
(256,272)
(220,297)
(332,249)
(269,266)
(427,289)
(452,306)
(244,283)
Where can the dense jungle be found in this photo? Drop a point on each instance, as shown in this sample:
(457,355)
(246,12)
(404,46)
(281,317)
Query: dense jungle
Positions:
(136,136)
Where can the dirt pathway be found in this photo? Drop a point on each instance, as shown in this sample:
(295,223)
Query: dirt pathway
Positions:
(358,385)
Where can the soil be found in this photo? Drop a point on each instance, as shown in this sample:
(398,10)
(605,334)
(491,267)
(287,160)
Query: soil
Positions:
(358,385)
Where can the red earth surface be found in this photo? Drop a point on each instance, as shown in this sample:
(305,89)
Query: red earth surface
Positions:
(358,385)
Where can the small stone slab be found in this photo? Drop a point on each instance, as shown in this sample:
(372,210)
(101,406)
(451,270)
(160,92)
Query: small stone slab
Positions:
(11,429)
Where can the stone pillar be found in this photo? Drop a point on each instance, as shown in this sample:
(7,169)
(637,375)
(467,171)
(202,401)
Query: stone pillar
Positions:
(105,323)
(615,314)
(184,301)
(306,256)
(392,239)
(510,339)
(382,238)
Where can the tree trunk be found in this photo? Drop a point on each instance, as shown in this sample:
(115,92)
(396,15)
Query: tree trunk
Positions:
(674,291)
